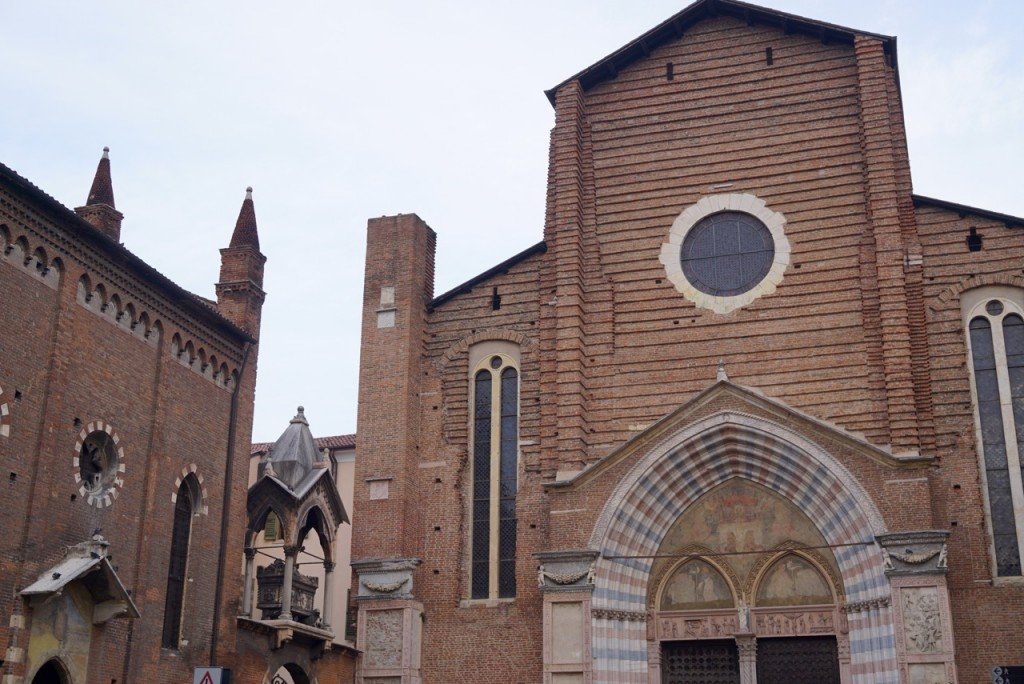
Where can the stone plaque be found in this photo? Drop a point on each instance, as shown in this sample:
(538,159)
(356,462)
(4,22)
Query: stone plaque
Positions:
(926,673)
(384,638)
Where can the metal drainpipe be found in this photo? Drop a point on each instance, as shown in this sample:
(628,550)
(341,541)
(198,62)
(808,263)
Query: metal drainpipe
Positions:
(225,514)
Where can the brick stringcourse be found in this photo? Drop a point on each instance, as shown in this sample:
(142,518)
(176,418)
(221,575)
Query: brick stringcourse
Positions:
(93,261)
(124,315)
(204,497)
(104,498)
(36,262)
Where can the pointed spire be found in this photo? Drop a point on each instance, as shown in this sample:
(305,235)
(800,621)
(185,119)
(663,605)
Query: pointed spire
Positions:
(102,190)
(99,208)
(245,234)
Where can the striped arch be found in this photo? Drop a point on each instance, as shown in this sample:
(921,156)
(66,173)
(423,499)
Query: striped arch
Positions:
(678,471)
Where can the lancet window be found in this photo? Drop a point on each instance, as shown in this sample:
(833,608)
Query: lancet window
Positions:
(495,462)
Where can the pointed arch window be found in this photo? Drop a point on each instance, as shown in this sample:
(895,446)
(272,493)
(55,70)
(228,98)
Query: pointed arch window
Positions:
(495,450)
(995,325)
(177,567)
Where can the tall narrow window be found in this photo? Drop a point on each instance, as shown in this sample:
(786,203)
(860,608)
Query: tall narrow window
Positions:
(996,335)
(177,568)
(495,477)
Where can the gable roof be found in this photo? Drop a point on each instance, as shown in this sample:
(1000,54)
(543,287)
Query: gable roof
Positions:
(965,210)
(539,248)
(331,442)
(675,26)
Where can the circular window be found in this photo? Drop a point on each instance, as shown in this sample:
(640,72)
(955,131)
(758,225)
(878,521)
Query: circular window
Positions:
(99,464)
(727,254)
(725,251)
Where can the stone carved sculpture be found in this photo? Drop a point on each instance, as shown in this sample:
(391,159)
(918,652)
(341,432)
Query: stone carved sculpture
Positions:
(385,588)
(922,623)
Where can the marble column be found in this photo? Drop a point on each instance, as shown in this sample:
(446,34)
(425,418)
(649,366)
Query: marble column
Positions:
(566,580)
(250,555)
(328,594)
(747,646)
(915,563)
(290,553)
(389,631)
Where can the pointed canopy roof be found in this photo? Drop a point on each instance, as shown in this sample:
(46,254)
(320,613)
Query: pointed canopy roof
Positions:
(102,190)
(245,234)
(294,458)
(676,25)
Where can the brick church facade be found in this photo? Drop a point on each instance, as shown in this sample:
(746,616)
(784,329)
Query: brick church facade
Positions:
(751,405)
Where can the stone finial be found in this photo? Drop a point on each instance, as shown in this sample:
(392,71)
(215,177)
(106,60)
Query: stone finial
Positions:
(722,375)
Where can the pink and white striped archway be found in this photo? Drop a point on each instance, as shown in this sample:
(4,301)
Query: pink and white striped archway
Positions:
(681,468)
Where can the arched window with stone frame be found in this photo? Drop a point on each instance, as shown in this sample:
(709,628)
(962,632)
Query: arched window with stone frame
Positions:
(994,322)
(494,450)
(186,503)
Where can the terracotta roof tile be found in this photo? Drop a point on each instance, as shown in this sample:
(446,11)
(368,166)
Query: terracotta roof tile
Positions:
(332,442)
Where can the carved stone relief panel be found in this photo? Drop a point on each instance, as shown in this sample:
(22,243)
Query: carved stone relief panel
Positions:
(922,621)
(384,638)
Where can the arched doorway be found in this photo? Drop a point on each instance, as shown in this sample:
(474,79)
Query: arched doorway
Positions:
(672,478)
(290,673)
(744,576)
(52,672)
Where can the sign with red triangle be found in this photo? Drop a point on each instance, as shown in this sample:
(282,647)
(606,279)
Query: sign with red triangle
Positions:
(211,675)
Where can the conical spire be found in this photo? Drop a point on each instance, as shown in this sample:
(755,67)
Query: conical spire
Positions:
(99,208)
(102,190)
(245,234)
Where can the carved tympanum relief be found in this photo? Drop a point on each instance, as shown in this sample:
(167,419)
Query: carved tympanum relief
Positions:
(742,527)
(791,581)
(922,622)
(696,585)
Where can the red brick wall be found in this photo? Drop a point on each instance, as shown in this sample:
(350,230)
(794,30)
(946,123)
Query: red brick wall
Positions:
(864,330)
(983,615)
(74,365)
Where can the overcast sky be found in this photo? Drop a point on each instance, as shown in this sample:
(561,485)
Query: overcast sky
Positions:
(338,111)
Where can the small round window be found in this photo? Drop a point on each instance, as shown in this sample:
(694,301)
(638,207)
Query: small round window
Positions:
(97,463)
(725,251)
(727,254)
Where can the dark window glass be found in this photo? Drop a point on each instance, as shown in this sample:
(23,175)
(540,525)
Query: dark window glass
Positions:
(1013,340)
(994,308)
(507,484)
(481,484)
(177,566)
(727,254)
(1004,531)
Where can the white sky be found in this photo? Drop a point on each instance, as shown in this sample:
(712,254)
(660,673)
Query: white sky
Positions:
(339,111)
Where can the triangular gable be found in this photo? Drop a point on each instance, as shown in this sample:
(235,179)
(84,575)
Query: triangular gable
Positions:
(269,486)
(87,563)
(675,26)
(684,415)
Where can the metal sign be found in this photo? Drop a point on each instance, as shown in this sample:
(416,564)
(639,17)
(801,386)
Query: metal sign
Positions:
(211,675)
(1008,674)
